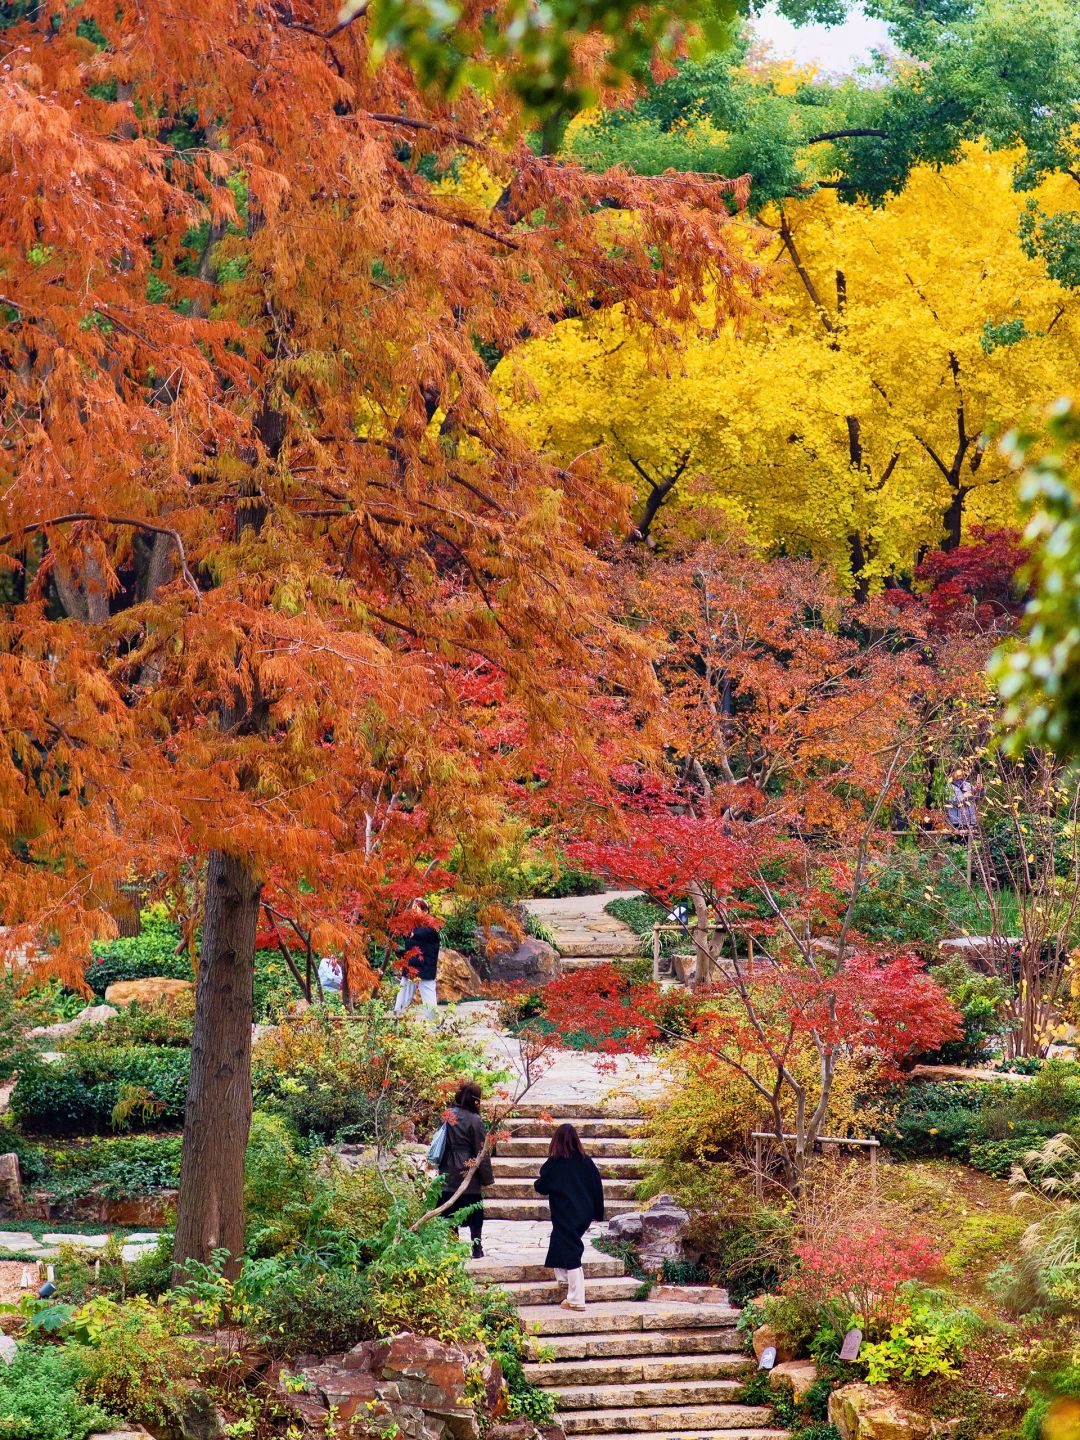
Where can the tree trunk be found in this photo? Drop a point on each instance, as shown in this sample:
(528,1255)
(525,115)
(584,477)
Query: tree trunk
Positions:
(210,1210)
(954,519)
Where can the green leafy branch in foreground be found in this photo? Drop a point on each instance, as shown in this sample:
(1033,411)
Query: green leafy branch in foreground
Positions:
(1038,677)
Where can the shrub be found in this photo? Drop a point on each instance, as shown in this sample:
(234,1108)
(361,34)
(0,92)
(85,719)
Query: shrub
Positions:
(988,1126)
(115,1168)
(138,957)
(980,1000)
(750,1255)
(303,1304)
(855,1275)
(79,1093)
(40,1399)
(133,1362)
(158,951)
(167,1021)
(419,1282)
(925,1338)
(899,905)
(362,1077)
(278,1186)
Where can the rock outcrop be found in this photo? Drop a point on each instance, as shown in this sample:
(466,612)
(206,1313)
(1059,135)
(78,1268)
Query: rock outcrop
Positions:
(458,977)
(154,987)
(508,962)
(874,1412)
(92,1015)
(794,1375)
(658,1233)
(409,1381)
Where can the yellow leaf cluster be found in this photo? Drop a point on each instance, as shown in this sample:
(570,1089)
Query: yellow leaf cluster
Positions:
(855,417)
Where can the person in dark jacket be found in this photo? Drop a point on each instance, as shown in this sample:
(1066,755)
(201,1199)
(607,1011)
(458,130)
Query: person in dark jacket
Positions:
(575,1194)
(464,1142)
(420,952)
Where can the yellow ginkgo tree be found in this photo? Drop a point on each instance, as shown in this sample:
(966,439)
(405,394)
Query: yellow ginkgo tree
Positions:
(854,416)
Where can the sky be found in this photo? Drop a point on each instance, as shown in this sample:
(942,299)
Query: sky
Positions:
(838,49)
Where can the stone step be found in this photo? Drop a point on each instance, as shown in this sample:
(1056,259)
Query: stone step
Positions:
(520,1187)
(619,1108)
(624,1315)
(537,1145)
(628,1127)
(611,1167)
(573,963)
(581,945)
(636,1370)
(496,1272)
(702,1434)
(537,1209)
(678,1419)
(649,1395)
(549,1292)
(623,1344)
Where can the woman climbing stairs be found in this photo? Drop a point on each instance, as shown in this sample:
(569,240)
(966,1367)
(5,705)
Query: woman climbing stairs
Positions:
(625,1366)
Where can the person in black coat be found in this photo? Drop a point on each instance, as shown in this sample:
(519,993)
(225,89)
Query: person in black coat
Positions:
(420,952)
(465,1139)
(575,1194)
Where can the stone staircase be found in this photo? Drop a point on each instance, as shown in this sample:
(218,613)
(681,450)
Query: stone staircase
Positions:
(625,1366)
(608,1140)
(582,931)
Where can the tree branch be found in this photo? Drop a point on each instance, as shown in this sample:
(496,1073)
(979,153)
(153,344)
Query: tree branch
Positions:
(82,515)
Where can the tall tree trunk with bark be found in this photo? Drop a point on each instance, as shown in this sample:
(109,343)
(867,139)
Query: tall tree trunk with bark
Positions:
(210,1210)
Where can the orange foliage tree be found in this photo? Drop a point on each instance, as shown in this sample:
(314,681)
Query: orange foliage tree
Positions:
(784,697)
(274,572)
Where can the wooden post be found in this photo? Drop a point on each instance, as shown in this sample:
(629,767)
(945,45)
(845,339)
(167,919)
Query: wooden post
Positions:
(873,1176)
(656,951)
(757,1167)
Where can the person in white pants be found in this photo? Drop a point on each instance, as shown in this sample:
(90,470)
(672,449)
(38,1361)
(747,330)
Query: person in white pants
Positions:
(574,1280)
(429,998)
(575,1195)
(421,956)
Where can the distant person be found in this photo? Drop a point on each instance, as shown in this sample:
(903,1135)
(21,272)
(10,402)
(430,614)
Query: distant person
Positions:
(465,1139)
(331,974)
(960,809)
(575,1195)
(420,952)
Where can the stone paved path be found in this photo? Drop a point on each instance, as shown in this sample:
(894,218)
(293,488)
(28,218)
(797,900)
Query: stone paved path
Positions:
(22,1242)
(583,932)
(625,1366)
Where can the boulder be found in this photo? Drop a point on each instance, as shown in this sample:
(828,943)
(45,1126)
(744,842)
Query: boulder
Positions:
(92,1015)
(659,1232)
(155,987)
(200,1419)
(427,1372)
(874,1412)
(765,1338)
(794,1375)
(8,1347)
(458,977)
(11,1195)
(508,962)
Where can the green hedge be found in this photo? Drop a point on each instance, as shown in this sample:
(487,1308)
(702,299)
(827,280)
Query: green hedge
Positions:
(154,952)
(115,1168)
(138,957)
(989,1126)
(77,1094)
